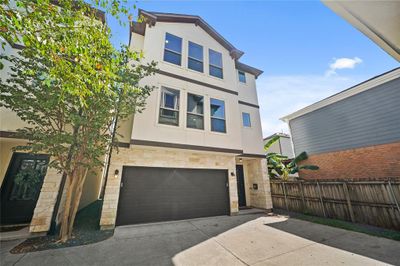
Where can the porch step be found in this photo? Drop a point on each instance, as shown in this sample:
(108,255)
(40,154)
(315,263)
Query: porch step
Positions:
(14,235)
(249,210)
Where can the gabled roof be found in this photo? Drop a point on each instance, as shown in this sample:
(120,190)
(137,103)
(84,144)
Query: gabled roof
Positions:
(151,18)
(363,86)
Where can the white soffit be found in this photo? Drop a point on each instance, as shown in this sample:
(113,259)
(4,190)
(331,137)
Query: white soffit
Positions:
(379,20)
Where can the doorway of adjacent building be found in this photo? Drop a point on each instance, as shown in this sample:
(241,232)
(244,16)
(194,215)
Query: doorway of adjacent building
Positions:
(240,185)
(21,187)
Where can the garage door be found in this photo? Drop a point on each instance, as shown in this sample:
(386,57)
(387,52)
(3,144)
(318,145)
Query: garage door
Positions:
(163,194)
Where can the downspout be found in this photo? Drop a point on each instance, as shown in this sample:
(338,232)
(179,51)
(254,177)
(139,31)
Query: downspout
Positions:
(105,177)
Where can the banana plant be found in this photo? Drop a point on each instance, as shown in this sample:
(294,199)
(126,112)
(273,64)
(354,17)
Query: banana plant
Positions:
(280,166)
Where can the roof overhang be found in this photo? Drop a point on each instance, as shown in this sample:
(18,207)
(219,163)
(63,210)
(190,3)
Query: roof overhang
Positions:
(364,86)
(151,18)
(249,69)
(378,20)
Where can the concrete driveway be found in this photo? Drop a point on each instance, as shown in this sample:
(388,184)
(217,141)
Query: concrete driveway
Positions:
(239,240)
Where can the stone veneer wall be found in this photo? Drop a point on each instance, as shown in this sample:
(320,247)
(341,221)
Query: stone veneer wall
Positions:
(255,172)
(162,157)
(42,215)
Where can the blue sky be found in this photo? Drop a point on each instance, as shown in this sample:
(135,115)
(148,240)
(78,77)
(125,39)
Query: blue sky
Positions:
(307,52)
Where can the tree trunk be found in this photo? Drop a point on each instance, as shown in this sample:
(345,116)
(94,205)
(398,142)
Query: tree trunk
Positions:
(76,200)
(67,205)
(74,193)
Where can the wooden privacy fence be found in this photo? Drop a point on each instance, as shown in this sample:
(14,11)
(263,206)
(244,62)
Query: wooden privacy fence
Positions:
(368,202)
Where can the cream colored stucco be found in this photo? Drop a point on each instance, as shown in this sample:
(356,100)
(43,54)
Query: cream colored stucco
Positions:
(146,124)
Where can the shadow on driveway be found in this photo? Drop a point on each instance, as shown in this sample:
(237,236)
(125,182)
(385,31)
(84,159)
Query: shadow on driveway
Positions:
(377,248)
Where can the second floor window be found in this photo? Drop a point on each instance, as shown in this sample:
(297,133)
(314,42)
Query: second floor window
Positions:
(246,119)
(215,59)
(195,111)
(195,59)
(169,107)
(217,108)
(173,49)
(242,76)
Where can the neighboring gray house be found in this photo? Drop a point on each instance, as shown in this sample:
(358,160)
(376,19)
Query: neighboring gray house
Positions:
(354,134)
(282,146)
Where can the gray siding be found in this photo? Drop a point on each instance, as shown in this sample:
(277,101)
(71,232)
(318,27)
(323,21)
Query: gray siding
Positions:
(369,118)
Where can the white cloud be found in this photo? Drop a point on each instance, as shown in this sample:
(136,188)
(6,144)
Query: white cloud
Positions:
(281,95)
(342,63)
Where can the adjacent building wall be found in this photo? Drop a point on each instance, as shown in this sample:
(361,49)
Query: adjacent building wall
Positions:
(357,137)
(365,119)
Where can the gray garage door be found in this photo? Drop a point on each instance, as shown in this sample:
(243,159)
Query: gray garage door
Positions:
(164,194)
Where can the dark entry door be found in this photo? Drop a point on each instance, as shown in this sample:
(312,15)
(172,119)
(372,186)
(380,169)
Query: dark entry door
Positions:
(21,187)
(240,185)
(151,194)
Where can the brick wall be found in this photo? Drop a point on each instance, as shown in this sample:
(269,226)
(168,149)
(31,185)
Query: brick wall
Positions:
(373,162)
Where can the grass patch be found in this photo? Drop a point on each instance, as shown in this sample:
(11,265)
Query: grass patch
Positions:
(361,228)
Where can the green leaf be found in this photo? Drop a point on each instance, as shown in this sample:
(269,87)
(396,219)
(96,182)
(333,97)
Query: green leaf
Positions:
(270,142)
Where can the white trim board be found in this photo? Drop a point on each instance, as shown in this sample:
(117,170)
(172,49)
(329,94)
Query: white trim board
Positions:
(364,86)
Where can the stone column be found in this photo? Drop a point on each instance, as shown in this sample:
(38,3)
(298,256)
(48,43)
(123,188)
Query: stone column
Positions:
(111,196)
(233,193)
(43,212)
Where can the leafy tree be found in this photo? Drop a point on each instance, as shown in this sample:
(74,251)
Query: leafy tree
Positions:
(69,84)
(280,166)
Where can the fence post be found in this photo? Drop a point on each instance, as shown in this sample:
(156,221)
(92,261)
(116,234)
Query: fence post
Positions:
(350,207)
(302,195)
(284,193)
(320,197)
(393,196)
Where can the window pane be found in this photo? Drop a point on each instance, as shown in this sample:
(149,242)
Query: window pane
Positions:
(195,121)
(246,119)
(173,43)
(195,65)
(216,72)
(218,125)
(242,77)
(170,98)
(195,104)
(172,57)
(169,117)
(215,58)
(217,108)
(196,51)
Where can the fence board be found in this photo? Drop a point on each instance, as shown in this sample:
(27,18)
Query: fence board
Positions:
(375,202)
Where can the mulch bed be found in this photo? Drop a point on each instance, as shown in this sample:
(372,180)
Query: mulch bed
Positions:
(86,231)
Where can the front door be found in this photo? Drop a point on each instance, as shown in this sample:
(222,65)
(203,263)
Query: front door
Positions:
(21,187)
(240,185)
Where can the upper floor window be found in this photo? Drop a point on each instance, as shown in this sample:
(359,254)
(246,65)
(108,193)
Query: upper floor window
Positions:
(246,119)
(173,49)
(242,76)
(217,108)
(169,107)
(195,111)
(195,58)
(215,59)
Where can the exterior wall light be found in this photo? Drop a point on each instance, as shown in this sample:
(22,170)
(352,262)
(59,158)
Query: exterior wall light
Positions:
(232,174)
(116,172)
